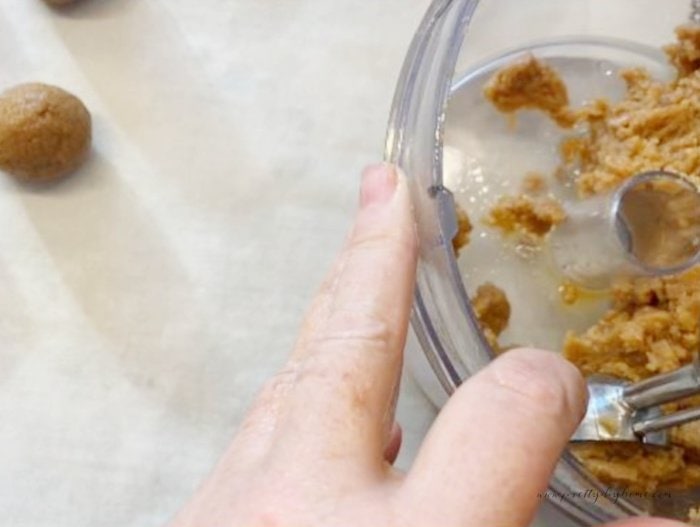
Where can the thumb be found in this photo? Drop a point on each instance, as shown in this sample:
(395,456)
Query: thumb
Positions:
(494,446)
(646,522)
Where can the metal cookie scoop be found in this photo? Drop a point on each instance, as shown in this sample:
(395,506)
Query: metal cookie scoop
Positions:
(649,226)
(621,411)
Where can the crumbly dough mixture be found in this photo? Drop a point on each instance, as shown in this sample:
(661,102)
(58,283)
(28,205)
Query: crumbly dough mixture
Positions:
(492,309)
(652,325)
(464,229)
(531,84)
(526,215)
(637,467)
(651,328)
(490,303)
(685,53)
(656,126)
(45,132)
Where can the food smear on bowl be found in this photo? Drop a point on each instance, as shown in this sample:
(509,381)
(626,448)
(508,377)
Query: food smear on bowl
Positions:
(534,183)
(652,323)
(570,292)
(464,229)
(492,310)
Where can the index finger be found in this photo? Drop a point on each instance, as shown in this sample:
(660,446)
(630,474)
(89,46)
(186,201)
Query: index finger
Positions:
(348,359)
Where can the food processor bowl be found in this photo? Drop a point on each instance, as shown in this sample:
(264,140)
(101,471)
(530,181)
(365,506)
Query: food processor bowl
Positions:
(444,136)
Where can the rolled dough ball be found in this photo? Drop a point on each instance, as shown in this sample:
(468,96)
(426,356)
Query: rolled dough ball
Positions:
(45,132)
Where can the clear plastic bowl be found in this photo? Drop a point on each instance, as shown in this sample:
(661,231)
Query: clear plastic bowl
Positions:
(438,126)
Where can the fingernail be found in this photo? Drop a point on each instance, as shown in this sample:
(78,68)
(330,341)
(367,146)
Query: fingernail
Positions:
(378,184)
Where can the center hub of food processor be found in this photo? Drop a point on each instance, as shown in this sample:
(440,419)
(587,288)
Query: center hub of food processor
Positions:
(649,227)
(657,222)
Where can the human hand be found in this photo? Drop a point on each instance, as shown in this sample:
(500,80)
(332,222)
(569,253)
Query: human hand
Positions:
(318,445)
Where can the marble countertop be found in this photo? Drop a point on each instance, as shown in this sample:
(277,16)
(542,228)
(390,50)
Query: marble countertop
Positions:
(146,299)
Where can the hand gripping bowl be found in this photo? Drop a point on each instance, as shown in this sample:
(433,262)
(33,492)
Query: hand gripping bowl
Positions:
(458,151)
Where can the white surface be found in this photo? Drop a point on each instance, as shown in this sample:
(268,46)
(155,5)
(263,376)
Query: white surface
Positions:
(145,300)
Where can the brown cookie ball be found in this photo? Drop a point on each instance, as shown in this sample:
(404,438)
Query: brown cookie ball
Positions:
(45,132)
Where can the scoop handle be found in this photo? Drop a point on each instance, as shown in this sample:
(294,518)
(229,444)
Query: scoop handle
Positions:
(664,388)
(656,424)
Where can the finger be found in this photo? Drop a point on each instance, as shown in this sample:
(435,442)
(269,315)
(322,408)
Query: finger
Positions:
(255,434)
(494,446)
(393,446)
(348,359)
(374,177)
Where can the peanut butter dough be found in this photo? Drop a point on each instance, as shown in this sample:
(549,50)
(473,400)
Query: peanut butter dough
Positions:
(526,215)
(530,84)
(637,467)
(685,54)
(656,126)
(653,324)
(492,309)
(464,229)
(45,132)
(652,327)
